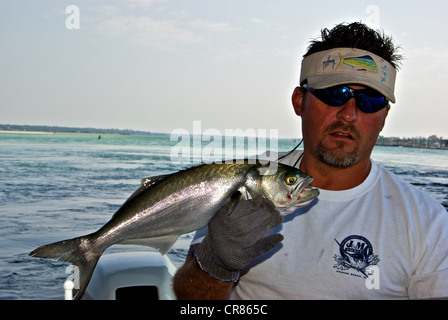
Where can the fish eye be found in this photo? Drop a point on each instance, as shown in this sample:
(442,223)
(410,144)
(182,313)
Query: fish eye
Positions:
(290,180)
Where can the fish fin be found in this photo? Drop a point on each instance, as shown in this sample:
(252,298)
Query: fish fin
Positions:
(244,193)
(148,182)
(166,244)
(340,62)
(78,252)
(163,244)
(233,202)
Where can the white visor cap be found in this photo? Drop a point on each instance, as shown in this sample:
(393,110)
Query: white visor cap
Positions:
(349,66)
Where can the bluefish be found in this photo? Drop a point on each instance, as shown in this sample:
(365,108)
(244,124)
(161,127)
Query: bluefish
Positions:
(165,207)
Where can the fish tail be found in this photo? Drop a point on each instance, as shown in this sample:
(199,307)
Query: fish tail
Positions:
(77,251)
(340,62)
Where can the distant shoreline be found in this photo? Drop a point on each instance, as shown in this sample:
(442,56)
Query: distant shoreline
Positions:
(143,133)
(8,128)
(410,147)
(55,132)
(33,132)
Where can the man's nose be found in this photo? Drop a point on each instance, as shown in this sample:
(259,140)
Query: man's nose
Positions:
(348,112)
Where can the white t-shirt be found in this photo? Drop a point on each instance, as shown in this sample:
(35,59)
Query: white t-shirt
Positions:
(383,239)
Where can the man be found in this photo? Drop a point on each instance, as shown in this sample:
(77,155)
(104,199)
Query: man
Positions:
(369,235)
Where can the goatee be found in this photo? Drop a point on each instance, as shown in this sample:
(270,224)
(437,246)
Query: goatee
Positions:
(337,157)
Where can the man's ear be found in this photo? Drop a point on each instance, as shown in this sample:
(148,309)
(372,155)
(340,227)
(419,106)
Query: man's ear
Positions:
(297,100)
(385,116)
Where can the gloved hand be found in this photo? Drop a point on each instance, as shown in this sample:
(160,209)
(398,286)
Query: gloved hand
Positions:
(235,238)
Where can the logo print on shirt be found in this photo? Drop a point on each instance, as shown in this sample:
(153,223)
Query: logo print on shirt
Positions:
(356,252)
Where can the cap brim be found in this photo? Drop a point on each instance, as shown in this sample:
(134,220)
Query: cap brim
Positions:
(349,66)
(329,80)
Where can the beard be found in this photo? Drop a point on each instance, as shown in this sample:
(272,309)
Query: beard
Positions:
(337,157)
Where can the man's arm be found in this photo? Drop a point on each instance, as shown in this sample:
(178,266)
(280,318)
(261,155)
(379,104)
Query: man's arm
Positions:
(190,282)
(235,236)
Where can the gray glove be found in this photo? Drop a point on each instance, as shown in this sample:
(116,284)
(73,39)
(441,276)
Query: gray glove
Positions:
(235,238)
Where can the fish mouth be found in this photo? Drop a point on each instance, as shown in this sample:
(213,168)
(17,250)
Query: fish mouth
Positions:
(299,197)
(296,193)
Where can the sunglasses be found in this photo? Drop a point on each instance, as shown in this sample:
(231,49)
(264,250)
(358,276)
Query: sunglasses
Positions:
(367,100)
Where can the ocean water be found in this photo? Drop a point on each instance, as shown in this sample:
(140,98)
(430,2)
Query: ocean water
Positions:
(59,186)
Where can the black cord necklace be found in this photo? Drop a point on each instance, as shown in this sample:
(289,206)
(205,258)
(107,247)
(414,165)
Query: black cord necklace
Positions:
(300,157)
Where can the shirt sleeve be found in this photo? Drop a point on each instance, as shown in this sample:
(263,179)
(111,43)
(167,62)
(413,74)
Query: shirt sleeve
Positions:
(430,279)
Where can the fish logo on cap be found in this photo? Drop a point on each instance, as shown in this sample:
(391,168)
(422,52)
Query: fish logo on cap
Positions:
(363,63)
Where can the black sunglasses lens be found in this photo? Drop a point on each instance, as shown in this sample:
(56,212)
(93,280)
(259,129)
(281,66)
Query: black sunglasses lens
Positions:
(334,96)
(367,100)
(370,103)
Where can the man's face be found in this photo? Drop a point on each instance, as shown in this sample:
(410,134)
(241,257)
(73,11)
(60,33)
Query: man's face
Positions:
(338,136)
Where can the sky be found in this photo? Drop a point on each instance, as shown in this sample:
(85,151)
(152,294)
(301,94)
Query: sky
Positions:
(162,65)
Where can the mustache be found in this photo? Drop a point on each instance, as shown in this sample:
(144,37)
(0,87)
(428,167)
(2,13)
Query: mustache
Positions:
(343,126)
